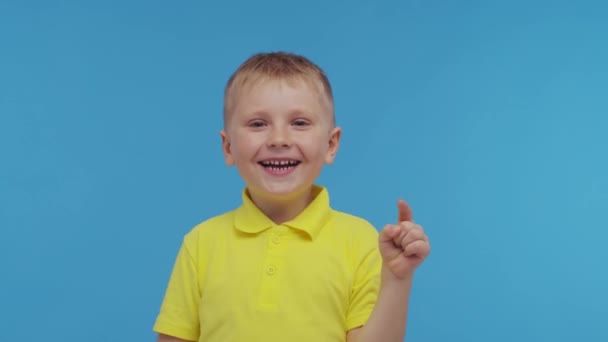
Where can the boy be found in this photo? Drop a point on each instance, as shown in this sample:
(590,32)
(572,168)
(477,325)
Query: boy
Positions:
(285,266)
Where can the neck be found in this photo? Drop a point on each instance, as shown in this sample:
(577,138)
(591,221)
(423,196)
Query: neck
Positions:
(282,209)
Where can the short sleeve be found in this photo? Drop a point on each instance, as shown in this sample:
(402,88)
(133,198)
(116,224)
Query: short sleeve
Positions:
(178,315)
(366,284)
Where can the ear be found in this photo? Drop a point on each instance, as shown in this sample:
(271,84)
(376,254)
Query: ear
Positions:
(226,148)
(334,144)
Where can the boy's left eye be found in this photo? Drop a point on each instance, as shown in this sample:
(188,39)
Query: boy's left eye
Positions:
(300,123)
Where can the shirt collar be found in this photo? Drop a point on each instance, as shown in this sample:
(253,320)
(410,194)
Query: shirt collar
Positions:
(250,219)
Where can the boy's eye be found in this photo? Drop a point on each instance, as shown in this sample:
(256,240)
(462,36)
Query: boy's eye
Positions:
(300,123)
(257,124)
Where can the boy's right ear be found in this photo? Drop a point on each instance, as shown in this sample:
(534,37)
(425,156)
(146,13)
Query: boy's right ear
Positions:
(226,148)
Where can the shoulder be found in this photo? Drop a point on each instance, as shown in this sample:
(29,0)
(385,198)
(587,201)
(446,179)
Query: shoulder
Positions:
(353,232)
(357,239)
(206,237)
(211,228)
(352,224)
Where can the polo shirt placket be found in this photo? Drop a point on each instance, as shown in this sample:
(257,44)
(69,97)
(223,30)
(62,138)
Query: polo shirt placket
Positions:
(273,268)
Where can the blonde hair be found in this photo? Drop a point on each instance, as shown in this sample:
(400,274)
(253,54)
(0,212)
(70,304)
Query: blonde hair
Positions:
(277,66)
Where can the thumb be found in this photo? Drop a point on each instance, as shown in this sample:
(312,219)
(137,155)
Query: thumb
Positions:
(405,212)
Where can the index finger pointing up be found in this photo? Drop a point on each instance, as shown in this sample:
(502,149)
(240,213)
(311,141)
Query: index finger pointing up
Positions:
(405,212)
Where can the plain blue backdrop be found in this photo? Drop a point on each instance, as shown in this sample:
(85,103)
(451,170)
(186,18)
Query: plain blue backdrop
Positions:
(489,117)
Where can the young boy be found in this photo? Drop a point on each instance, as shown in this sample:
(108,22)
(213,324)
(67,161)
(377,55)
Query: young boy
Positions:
(285,266)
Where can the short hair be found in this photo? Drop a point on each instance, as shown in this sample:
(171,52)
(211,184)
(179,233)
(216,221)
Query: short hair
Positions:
(277,66)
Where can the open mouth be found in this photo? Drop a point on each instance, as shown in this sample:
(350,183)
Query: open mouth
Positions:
(279,166)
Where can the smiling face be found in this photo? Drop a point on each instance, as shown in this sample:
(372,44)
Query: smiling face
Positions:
(279,135)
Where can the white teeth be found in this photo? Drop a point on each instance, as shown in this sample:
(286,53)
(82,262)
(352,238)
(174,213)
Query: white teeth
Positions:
(279,162)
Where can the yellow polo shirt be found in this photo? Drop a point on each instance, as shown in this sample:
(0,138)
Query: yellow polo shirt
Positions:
(240,277)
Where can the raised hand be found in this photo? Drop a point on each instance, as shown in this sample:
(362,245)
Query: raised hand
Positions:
(404,245)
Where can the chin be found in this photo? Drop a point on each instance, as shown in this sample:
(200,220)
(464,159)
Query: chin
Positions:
(281,192)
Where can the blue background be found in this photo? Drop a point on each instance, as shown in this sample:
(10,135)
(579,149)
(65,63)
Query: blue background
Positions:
(490,118)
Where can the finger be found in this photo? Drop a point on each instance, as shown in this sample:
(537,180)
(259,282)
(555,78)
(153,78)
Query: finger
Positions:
(418,248)
(405,212)
(408,225)
(405,228)
(412,235)
(389,233)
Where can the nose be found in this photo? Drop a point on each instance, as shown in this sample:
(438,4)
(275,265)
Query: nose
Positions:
(279,137)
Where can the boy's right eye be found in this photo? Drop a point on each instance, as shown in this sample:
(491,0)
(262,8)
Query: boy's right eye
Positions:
(257,124)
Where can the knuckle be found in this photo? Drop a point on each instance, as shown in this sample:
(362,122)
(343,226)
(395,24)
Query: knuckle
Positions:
(407,225)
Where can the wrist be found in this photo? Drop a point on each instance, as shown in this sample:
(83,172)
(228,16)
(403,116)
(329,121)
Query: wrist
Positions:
(390,279)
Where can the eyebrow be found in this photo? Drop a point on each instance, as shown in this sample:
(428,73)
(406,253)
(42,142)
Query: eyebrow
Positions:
(291,113)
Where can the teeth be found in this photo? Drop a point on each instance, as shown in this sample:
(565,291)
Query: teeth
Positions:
(279,162)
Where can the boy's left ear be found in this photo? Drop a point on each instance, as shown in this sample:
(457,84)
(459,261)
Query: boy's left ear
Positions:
(334,144)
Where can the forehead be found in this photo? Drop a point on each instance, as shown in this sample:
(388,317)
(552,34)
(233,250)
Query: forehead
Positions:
(296,92)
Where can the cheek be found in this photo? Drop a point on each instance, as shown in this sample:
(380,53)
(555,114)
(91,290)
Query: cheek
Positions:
(245,148)
(315,147)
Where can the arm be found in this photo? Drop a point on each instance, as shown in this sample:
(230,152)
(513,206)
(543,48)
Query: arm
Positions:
(403,248)
(178,316)
(166,338)
(388,320)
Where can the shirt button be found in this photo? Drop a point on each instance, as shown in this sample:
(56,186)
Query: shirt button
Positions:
(276,239)
(271,270)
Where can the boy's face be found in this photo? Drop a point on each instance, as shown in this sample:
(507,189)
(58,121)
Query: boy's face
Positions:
(279,134)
